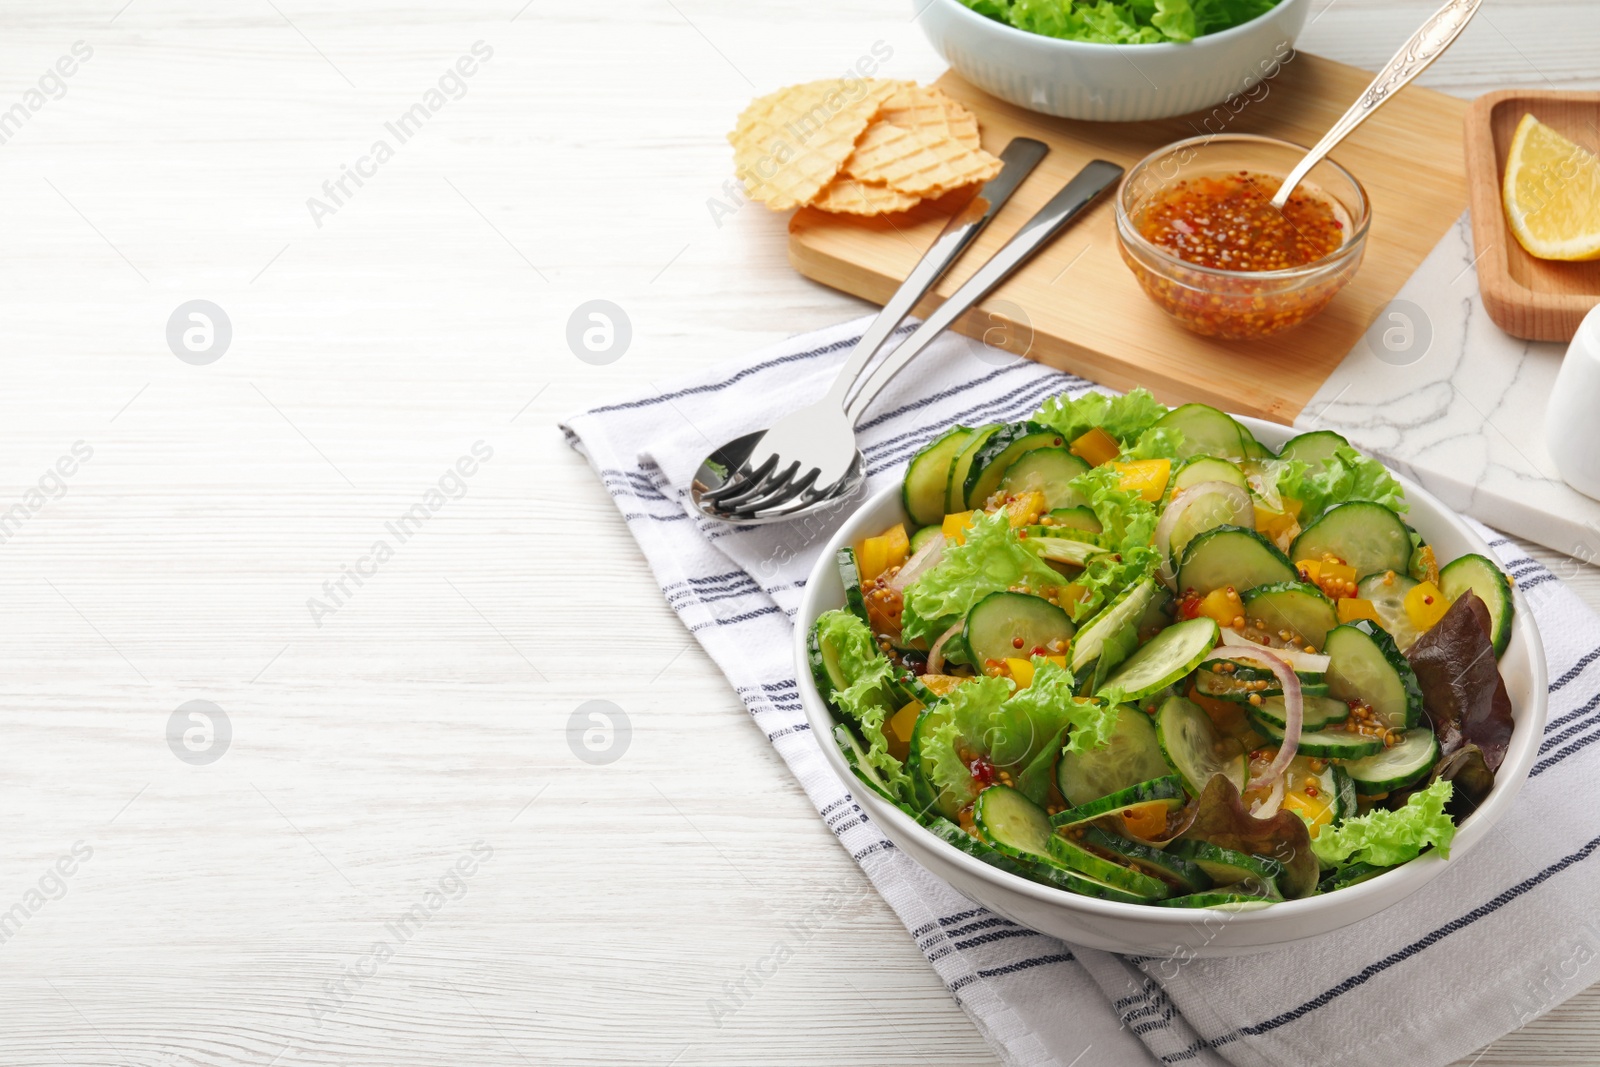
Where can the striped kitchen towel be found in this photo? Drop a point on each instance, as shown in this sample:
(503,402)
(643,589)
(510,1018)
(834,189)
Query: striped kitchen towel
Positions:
(1492,943)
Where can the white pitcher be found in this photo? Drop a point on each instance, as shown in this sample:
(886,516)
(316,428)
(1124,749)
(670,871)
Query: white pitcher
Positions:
(1572,430)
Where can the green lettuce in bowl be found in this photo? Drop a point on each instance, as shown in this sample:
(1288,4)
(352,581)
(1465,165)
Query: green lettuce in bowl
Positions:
(1117,22)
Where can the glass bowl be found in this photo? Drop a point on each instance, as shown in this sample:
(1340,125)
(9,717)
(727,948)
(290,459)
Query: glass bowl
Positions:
(1232,304)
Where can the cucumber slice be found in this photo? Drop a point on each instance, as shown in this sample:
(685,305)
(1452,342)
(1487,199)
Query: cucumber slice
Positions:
(927,794)
(1387,592)
(1164,793)
(1110,872)
(1068,550)
(1320,712)
(1049,471)
(1480,575)
(1130,755)
(1164,659)
(1354,874)
(1191,745)
(998,452)
(1365,665)
(1367,536)
(1218,688)
(850,577)
(1208,469)
(1010,822)
(1112,635)
(955,486)
(1344,789)
(1253,449)
(825,670)
(1031,869)
(1312,448)
(1215,505)
(856,757)
(1332,743)
(1232,555)
(1256,875)
(1223,900)
(921,537)
(922,491)
(1298,607)
(1206,432)
(1006,625)
(1407,763)
(1081,517)
(1178,873)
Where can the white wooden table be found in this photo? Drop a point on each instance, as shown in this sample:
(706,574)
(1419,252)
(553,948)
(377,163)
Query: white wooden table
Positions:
(253,910)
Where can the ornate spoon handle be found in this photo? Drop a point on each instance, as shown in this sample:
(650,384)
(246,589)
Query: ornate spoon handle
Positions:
(1414,57)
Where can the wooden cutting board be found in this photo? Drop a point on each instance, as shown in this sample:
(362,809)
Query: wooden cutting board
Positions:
(1078,307)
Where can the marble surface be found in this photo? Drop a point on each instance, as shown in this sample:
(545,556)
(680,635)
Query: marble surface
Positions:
(1438,390)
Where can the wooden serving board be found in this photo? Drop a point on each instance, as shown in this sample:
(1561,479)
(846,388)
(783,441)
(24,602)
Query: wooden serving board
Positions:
(1078,307)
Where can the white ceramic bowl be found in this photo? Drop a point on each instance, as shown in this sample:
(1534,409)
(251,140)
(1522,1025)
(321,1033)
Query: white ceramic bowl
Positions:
(1110,82)
(1153,931)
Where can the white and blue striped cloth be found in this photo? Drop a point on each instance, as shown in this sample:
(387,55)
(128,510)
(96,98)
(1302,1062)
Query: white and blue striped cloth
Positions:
(1489,945)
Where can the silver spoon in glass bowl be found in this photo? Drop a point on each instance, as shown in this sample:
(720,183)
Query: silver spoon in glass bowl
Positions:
(1414,57)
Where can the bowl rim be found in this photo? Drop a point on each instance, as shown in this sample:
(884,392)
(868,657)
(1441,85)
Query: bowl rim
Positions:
(1155,48)
(1416,873)
(1129,234)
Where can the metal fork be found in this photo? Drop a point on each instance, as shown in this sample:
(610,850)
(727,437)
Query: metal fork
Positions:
(749,473)
(731,488)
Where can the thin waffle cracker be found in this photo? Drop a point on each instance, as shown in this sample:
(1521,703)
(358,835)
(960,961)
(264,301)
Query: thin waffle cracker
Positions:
(788,145)
(917,161)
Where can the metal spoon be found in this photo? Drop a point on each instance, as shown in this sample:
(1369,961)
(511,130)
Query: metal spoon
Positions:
(1414,57)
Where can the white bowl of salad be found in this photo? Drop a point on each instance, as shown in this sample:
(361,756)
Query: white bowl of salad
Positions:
(1116,669)
(1117,61)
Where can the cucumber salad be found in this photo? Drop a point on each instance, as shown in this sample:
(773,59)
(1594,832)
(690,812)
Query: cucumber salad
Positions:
(1130,652)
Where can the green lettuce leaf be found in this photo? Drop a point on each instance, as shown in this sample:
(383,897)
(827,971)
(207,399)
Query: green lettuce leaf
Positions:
(1342,477)
(1158,442)
(940,762)
(1123,417)
(992,560)
(1022,731)
(867,699)
(1128,522)
(1127,22)
(1386,838)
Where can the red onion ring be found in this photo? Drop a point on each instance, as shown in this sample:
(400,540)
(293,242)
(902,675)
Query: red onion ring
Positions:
(1266,809)
(1238,498)
(936,653)
(1293,714)
(926,558)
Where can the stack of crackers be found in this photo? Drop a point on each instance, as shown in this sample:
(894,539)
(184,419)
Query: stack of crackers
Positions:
(860,146)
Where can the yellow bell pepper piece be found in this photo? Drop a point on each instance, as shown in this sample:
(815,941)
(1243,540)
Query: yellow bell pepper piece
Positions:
(1021,671)
(898,545)
(1310,569)
(1025,509)
(942,684)
(1426,605)
(1316,811)
(1223,605)
(872,558)
(1353,608)
(1096,447)
(955,526)
(1273,524)
(903,721)
(1147,477)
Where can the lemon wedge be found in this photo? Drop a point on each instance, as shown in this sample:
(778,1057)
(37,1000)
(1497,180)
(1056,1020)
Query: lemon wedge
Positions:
(1552,194)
